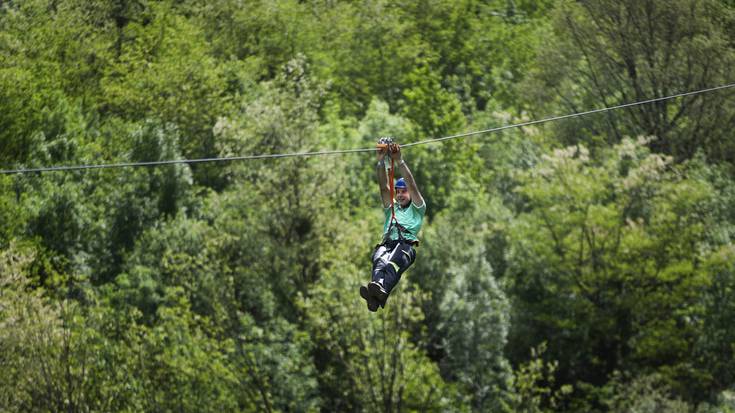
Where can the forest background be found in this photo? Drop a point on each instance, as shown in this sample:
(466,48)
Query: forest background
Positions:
(584,265)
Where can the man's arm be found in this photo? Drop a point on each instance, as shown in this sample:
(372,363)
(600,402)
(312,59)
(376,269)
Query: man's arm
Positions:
(383,178)
(413,189)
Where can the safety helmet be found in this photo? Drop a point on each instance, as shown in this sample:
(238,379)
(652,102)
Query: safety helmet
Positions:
(401,184)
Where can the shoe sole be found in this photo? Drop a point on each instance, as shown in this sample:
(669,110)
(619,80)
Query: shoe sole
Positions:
(371,303)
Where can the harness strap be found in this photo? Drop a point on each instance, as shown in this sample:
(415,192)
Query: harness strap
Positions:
(393,219)
(391,185)
(384,143)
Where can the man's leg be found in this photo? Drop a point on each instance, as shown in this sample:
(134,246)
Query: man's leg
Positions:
(380,262)
(402,256)
(378,265)
(394,263)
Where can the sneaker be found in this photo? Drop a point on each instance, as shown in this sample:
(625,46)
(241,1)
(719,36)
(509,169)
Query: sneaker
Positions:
(378,293)
(372,303)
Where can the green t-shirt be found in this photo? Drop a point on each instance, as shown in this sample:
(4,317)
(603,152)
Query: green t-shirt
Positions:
(410,218)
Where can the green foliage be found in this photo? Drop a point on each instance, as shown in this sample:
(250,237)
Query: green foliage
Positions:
(534,381)
(163,70)
(57,217)
(185,254)
(607,257)
(369,359)
(30,324)
(276,371)
(121,206)
(435,110)
(467,313)
(11,213)
(716,345)
(644,394)
(287,237)
(51,57)
(233,286)
(605,53)
(475,321)
(186,370)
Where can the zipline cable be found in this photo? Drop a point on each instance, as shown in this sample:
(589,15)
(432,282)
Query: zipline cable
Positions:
(572,115)
(346,151)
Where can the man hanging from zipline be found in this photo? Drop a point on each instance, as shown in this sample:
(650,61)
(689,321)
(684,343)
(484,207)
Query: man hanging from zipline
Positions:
(404,209)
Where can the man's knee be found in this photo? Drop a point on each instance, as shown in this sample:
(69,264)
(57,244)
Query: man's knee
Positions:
(378,252)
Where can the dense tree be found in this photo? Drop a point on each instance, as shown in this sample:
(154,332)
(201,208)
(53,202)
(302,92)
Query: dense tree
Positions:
(714,347)
(29,326)
(608,260)
(370,363)
(467,313)
(561,268)
(290,197)
(605,53)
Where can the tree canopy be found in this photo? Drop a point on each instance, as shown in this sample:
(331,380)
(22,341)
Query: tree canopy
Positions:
(582,265)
